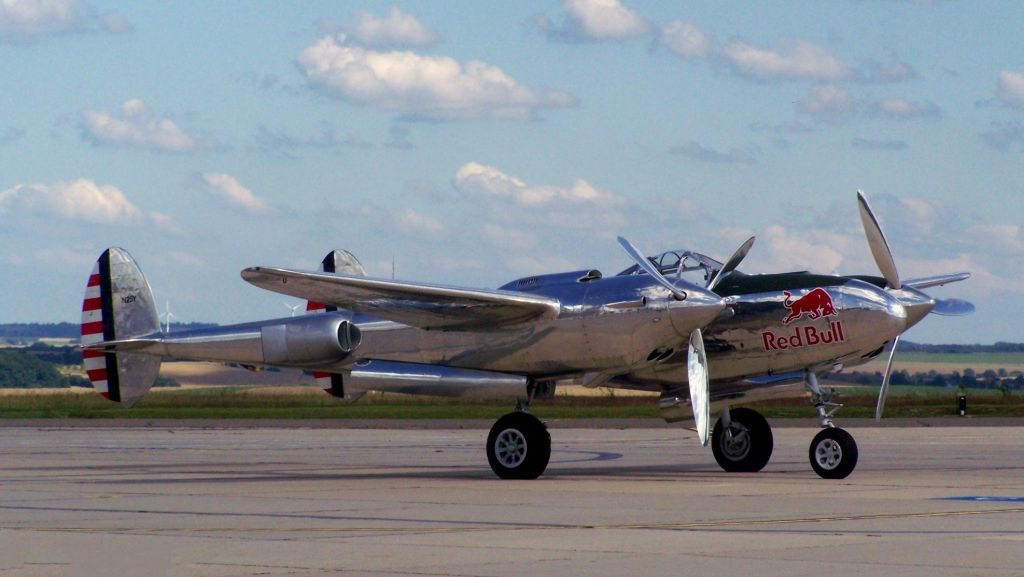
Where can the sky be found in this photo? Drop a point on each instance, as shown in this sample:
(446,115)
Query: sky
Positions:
(471,143)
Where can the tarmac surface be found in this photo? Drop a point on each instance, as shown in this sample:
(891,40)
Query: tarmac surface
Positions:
(216,500)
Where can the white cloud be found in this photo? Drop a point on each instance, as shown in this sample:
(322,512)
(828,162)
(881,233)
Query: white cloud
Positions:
(697,151)
(1004,136)
(601,20)
(1002,239)
(487,181)
(793,60)
(801,251)
(115,23)
(827,101)
(395,29)
(136,128)
(415,222)
(883,144)
(188,260)
(831,102)
(511,239)
(895,70)
(901,108)
(430,87)
(228,188)
(685,40)
(29,20)
(1011,88)
(165,222)
(79,200)
(526,264)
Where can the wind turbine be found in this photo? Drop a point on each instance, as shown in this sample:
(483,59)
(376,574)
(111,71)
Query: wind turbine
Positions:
(292,308)
(167,316)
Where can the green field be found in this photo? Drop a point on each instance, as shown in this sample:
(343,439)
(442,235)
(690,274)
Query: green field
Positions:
(238,403)
(987,360)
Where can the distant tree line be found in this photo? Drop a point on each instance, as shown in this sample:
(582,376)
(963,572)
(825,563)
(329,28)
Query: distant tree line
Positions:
(999,347)
(999,379)
(19,370)
(40,331)
(37,366)
(33,331)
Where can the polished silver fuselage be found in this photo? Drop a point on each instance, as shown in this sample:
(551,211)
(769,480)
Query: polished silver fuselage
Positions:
(747,339)
(628,327)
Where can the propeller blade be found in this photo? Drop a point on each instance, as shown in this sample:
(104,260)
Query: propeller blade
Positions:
(938,280)
(884,391)
(876,240)
(650,269)
(733,262)
(952,307)
(697,372)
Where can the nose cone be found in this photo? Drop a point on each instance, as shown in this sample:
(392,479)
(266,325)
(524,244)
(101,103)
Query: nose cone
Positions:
(697,310)
(914,302)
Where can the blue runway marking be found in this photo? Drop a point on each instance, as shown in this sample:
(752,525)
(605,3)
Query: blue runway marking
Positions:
(983,498)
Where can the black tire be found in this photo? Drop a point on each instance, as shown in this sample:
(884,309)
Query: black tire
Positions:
(833,454)
(518,447)
(746,446)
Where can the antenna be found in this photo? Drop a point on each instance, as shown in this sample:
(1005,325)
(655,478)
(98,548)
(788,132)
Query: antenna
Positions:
(167,316)
(292,308)
(392,268)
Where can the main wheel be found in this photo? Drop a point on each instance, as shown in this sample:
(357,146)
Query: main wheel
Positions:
(745,445)
(518,447)
(833,454)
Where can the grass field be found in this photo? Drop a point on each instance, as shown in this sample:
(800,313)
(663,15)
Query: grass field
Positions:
(311,403)
(212,391)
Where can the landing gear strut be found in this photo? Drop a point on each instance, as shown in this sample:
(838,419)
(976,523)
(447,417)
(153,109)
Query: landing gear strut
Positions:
(519,445)
(833,452)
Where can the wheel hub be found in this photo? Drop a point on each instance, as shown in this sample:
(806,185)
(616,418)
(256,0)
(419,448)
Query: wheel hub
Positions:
(828,454)
(736,442)
(510,448)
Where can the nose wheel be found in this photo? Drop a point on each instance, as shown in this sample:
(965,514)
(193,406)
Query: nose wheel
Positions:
(833,454)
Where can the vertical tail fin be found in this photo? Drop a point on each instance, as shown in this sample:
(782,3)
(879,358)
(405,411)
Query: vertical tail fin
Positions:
(342,262)
(118,305)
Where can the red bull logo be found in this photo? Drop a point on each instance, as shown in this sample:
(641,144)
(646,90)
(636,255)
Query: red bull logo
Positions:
(815,304)
(812,306)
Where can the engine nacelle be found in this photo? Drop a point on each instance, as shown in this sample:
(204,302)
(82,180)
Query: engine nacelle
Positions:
(310,340)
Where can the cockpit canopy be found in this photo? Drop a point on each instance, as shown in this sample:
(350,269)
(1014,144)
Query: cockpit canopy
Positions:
(679,262)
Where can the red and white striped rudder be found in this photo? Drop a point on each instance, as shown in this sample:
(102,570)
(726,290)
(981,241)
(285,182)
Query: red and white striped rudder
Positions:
(118,306)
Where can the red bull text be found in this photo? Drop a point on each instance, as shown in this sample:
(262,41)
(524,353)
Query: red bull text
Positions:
(815,305)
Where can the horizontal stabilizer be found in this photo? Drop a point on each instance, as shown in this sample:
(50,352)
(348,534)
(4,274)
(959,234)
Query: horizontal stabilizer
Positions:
(424,306)
(122,345)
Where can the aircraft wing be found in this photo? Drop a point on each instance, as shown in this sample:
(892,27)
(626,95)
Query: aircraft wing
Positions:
(426,306)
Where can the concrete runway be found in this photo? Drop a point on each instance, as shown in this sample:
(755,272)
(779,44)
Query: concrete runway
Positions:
(179,501)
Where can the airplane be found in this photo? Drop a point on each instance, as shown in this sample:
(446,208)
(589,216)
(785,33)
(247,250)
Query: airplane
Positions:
(707,345)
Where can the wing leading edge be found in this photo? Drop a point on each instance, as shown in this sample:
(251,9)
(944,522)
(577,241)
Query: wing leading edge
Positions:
(426,306)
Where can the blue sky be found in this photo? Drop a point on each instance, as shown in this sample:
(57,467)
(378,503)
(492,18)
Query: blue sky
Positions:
(472,143)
